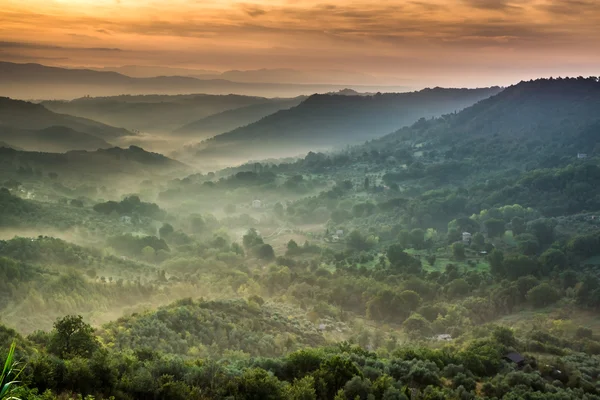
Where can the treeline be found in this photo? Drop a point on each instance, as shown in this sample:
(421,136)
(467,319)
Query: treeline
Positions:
(71,361)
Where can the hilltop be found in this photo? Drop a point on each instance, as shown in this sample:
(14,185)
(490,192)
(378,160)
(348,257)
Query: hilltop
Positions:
(231,119)
(30,116)
(134,162)
(52,139)
(152,113)
(337,120)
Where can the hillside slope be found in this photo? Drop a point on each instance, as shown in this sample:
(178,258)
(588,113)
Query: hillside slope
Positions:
(333,120)
(152,113)
(186,327)
(29,116)
(231,119)
(535,122)
(53,139)
(132,162)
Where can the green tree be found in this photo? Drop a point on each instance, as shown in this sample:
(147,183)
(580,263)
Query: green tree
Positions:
(72,337)
(517,225)
(417,326)
(258,384)
(495,227)
(543,295)
(417,238)
(265,252)
(230,208)
(165,230)
(458,251)
(478,241)
(527,244)
(302,389)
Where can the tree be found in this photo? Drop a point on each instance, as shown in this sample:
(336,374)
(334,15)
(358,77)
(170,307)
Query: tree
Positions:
(496,260)
(417,238)
(495,227)
(258,384)
(527,244)
(230,209)
(553,258)
(478,241)
(543,230)
(366,184)
(302,389)
(72,337)
(543,295)
(417,326)
(517,225)
(411,299)
(458,251)
(165,230)
(358,388)
(357,241)
(265,252)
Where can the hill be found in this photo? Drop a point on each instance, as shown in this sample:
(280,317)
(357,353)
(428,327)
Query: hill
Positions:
(529,125)
(29,116)
(109,163)
(42,82)
(54,139)
(324,121)
(231,119)
(152,113)
(187,326)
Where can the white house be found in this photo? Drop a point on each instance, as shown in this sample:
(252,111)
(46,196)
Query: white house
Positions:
(126,219)
(339,233)
(581,155)
(256,204)
(466,238)
(335,238)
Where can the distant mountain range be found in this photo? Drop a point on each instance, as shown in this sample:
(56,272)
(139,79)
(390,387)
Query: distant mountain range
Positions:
(264,75)
(326,121)
(231,119)
(35,81)
(153,113)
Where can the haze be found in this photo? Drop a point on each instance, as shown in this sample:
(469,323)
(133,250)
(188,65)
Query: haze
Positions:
(396,42)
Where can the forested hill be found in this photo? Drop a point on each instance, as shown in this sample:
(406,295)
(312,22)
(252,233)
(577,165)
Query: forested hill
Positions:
(152,113)
(336,120)
(532,124)
(102,163)
(53,138)
(25,115)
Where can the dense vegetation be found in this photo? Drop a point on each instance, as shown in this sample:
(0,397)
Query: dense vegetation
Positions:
(432,263)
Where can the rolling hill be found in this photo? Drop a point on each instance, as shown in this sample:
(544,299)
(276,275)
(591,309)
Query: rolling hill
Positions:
(53,139)
(101,164)
(231,119)
(29,116)
(38,81)
(325,121)
(152,113)
(536,122)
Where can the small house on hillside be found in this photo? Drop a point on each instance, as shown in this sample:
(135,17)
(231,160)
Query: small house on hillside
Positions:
(581,155)
(515,358)
(444,337)
(339,233)
(256,204)
(466,238)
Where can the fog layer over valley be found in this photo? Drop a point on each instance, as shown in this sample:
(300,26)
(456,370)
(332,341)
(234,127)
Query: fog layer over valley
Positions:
(199,244)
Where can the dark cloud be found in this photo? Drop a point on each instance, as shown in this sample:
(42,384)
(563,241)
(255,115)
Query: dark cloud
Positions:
(502,5)
(573,7)
(43,46)
(254,11)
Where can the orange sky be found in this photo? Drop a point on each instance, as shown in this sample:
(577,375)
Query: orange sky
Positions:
(450,42)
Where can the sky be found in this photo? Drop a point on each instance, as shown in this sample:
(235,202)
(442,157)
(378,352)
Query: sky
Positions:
(424,42)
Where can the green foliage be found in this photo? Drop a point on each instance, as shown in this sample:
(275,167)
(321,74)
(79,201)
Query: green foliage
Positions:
(9,374)
(72,337)
(543,295)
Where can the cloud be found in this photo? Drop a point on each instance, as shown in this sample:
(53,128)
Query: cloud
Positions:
(254,11)
(490,4)
(43,46)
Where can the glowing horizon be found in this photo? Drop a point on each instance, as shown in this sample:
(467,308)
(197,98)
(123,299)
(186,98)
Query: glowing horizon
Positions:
(442,42)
